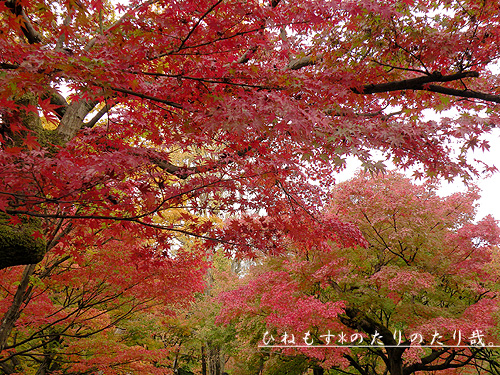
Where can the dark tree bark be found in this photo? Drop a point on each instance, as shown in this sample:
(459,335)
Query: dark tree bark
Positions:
(214,360)
(22,294)
(203,361)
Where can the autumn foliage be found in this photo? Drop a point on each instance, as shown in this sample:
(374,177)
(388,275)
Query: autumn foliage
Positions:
(427,269)
(175,129)
(227,105)
(98,310)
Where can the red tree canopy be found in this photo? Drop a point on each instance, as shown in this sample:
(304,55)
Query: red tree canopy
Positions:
(224,106)
(428,276)
(101,311)
(159,118)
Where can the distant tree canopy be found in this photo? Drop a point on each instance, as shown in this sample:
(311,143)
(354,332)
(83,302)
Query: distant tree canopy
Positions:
(428,276)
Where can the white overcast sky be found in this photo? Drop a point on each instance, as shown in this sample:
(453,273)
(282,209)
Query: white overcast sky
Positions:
(490,194)
(490,187)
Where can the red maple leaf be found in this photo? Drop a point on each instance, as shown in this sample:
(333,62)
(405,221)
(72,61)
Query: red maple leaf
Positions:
(31,142)
(38,235)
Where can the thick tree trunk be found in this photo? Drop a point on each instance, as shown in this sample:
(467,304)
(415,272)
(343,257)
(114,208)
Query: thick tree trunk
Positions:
(72,120)
(357,319)
(395,361)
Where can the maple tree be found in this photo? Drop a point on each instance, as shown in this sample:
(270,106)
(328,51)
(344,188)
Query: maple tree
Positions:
(273,93)
(427,272)
(98,100)
(101,311)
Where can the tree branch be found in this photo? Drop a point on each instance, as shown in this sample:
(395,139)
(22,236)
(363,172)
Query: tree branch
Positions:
(383,116)
(62,37)
(442,366)
(181,172)
(8,66)
(197,24)
(355,364)
(133,219)
(247,55)
(93,41)
(424,83)
(144,96)
(97,116)
(301,62)
(11,316)
(7,368)
(424,361)
(72,121)
(464,93)
(57,99)
(356,319)
(29,31)
(184,172)
(27,28)
(412,83)
(221,80)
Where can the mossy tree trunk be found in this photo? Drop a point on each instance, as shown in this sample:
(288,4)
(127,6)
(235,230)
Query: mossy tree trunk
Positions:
(18,246)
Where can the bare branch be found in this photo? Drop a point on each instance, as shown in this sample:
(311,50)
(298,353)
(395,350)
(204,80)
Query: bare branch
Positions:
(464,93)
(8,66)
(412,83)
(198,23)
(301,62)
(133,219)
(424,83)
(383,116)
(221,80)
(98,116)
(144,96)
(181,172)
